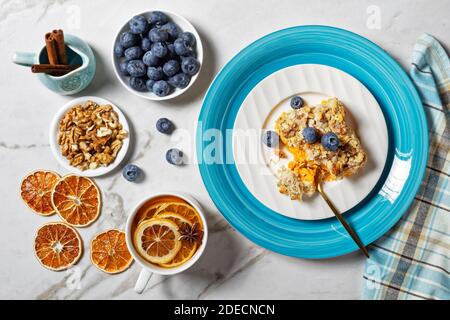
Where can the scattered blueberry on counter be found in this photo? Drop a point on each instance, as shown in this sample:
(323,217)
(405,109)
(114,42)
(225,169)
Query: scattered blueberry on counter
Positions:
(271,139)
(157,55)
(296,102)
(310,135)
(174,156)
(330,141)
(131,172)
(164,125)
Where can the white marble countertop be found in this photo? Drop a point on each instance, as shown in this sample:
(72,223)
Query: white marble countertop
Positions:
(232,267)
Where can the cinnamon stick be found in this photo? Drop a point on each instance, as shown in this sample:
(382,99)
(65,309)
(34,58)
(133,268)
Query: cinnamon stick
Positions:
(53,69)
(58,35)
(50,44)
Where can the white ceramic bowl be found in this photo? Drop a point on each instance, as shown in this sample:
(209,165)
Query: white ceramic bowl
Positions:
(56,149)
(184,26)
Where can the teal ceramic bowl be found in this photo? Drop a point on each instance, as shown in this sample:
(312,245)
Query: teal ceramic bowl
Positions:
(78,52)
(400,104)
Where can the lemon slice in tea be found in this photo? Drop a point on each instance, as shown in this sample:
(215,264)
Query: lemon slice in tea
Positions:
(157,240)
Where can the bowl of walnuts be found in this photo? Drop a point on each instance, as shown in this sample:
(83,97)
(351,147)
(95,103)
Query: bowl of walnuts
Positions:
(89,136)
(157,55)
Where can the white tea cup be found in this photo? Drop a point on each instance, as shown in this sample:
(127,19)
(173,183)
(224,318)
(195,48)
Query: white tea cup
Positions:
(148,269)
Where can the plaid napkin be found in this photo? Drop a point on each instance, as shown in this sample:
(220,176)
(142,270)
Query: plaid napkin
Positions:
(412,260)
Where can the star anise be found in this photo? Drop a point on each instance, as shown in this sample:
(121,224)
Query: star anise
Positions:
(191,233)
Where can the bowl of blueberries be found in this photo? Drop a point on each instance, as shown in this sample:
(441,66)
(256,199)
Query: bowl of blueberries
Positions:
(157,55)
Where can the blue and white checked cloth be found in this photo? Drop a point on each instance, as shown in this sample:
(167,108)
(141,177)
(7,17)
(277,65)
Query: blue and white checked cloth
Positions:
(412,261)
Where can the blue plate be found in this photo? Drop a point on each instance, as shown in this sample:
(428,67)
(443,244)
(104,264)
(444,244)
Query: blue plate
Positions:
(400,103)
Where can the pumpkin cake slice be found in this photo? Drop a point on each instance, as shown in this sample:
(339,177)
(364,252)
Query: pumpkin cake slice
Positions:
(333,153)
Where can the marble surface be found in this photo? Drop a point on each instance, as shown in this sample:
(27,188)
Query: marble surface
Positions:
(232,267)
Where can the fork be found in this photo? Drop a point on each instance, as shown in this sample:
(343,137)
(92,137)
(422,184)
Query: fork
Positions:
(341,219)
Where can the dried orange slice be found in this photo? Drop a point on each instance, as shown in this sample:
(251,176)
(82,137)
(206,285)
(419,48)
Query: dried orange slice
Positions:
(175,217)
(158,204)
(186,252)
(109,251)
(57,246)
(182,209)
(77,200)
(187,248)
(36,190)
(149,212)
(157,240)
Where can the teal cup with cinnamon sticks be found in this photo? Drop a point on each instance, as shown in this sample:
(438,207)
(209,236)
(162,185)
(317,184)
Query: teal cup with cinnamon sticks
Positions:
(65,65)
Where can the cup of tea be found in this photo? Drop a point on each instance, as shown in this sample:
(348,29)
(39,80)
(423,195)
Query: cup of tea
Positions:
(166,233)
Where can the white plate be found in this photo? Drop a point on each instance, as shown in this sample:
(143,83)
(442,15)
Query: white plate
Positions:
(254,161)
(56,150)
(184,26)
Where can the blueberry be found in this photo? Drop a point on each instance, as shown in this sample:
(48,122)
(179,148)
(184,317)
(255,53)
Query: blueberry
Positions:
(310,135)
(180,80)
(136,68)
(171,68)
(150,84)
(131,172)
(271,139)
(123,68)
(159,49)
(146,44)
(138,83)
(171,51)
(138,24)
(128,39)
(190,65)
(118,49)
(150,59)
(296,102)
(158,35)
(164,125)
(330,141)
(157,18)
(174,156)
(161,88)
(133,53)
(189,38)
(172,29)
(155,73)
(182,47)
